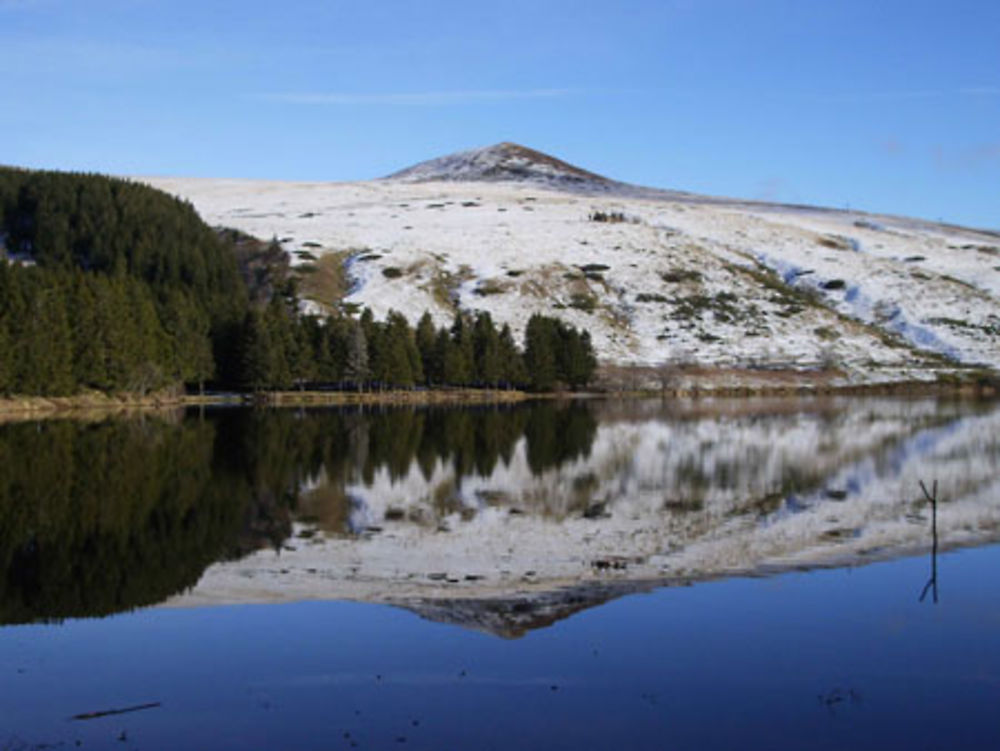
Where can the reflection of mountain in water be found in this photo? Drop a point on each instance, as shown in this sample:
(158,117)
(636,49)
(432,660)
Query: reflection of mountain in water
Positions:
(656,493)
(500,518)
(514,616)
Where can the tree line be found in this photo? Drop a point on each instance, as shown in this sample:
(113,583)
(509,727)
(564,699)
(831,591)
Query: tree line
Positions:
(279,350)
(115,286)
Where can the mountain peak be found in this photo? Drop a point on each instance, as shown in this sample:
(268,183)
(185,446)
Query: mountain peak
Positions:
(503,162)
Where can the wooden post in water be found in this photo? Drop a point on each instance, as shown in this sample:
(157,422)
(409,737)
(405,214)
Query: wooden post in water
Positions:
(932,582)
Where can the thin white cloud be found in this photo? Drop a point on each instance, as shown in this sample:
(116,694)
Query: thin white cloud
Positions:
(417,99)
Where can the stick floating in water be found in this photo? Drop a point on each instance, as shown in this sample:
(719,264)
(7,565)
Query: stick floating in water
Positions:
(108,712)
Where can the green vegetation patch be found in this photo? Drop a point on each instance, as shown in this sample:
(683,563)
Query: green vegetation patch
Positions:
(791,300)
(678,275)
(489,287)
(583,301)
(723,307)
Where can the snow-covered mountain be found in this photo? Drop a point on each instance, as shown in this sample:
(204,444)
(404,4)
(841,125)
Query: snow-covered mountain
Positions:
(506,162)
(660,278)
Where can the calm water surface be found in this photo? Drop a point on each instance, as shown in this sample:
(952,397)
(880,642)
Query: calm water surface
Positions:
(690,576)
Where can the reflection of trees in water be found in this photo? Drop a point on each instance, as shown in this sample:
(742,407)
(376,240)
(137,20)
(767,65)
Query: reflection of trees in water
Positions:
(105,516)
(101,517)
(96,518)
(558,434)
(471,442)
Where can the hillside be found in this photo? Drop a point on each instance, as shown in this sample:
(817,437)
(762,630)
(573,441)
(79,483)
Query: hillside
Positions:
(659,278)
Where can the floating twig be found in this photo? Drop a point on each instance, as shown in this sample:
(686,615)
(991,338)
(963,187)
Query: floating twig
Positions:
(109,712)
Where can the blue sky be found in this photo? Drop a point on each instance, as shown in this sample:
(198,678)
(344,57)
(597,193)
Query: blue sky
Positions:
(887,106)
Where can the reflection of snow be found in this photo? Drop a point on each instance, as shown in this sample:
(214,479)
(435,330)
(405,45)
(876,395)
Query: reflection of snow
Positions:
(868,477)
(658,497)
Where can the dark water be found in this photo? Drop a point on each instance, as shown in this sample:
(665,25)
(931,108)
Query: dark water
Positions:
(106,518)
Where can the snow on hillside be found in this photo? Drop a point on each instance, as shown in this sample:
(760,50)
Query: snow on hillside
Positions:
(665,278)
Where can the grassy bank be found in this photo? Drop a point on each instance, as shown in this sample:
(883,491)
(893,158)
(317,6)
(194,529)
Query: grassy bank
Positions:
(94,403)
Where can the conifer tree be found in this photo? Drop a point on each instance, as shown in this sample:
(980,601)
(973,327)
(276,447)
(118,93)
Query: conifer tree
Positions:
(576,357)
(257,360)
(356,355)
(512,361)
(539,353)
(486,345)
(425,335)
(337,332)
(5,352)
(285,356)
(188,332)
(149,347)
(443,368)
(46,346)
(89,355)
(396,352)
(459,362)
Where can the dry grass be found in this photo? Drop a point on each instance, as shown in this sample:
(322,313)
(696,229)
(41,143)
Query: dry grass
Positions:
(415,397)
(327,283)
(93,405)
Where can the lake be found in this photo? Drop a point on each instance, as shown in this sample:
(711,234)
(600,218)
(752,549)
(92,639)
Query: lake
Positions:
(715,574)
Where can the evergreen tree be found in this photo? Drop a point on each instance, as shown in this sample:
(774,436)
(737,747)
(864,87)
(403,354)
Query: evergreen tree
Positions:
(89,356)
(285,355)
(512,362)
(539,353)
(189,337)
(576,357)
(356,355)
(308,355)
(397,341)
(257,353)
(5,352)
(486,346)
(149,348)
(445,368)
(47,347)
(337,333)
(425,335)
(374,341)
(459,364)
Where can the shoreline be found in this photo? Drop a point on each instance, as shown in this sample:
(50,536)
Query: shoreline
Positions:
(36,407)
